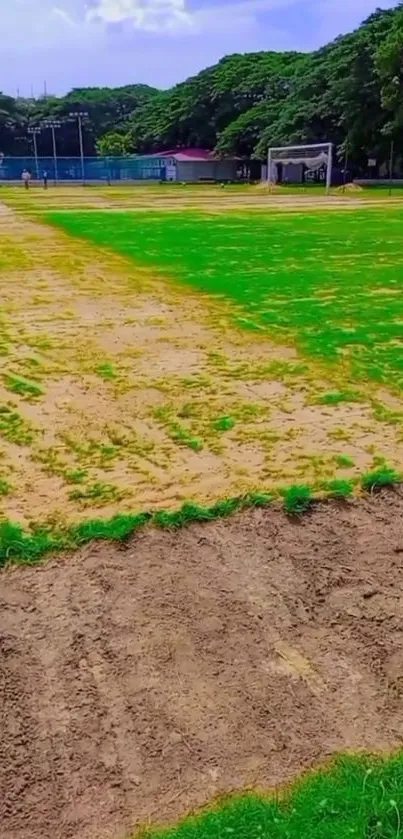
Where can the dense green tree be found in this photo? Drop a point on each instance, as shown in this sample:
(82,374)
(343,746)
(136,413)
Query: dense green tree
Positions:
(107,110)
(389,66)
(114,144)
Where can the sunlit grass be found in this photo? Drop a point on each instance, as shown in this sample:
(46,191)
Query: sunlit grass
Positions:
(330,282)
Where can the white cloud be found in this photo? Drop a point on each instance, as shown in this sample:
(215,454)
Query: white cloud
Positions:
(148,15)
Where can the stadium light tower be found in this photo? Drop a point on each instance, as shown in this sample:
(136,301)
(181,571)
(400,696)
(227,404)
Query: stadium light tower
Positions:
(53,124)
(34,131)
(80,116)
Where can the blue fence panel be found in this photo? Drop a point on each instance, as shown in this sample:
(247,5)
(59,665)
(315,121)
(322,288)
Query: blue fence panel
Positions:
(95,168)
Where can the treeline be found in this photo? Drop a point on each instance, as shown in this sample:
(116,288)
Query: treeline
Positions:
(349,92)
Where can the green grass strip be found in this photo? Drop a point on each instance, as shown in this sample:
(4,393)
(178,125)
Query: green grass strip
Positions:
(354,797)
(17,545)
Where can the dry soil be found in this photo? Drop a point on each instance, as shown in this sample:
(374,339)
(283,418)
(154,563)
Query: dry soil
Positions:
(139,680)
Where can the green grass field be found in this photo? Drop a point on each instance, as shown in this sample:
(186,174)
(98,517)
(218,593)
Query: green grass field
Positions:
(329,282)
(355,798)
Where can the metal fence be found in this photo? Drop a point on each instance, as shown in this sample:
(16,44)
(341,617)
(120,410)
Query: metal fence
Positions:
(88,168)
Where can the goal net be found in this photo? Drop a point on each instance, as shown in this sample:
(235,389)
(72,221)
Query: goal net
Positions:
(298,164)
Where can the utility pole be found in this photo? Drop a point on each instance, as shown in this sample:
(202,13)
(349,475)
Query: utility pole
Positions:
(345,166)
(392,150)
(34,131)
(53,124)
(80,116)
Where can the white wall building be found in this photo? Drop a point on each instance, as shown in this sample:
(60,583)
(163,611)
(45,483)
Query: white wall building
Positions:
(192,165)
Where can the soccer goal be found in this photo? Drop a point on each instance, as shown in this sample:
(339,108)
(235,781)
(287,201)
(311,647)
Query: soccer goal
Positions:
(300,163)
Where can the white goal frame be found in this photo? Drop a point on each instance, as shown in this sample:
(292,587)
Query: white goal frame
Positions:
(271,159)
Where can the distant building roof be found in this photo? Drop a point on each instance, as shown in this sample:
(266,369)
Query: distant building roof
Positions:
(195,155)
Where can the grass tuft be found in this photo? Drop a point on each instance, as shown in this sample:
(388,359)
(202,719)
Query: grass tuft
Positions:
(379,478)
(28,548)
(5,487)
(14,428)
(297,499)
(224,423)
(22,386)
(343,461)
(106,371)
(338,488)
(117,528)
(335,397)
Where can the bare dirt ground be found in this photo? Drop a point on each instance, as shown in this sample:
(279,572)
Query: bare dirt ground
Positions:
(134,372)
(207,198)
(139,680)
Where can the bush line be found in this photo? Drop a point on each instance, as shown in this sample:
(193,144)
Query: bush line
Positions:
(29,547)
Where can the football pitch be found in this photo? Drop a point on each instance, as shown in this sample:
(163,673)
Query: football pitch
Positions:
(158,357)
(170,357)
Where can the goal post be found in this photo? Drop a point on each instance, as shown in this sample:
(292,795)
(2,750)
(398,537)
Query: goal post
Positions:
(312,156)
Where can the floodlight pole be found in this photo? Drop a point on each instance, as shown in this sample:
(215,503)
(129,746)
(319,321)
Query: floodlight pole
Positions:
(36,154)
(80,132)
(54,152)
(53,124)
(345,167)
(34,132)
(392,149)
(329,168)
(80,115)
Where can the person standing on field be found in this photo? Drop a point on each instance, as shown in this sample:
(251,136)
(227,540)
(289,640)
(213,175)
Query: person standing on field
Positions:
(26,177)
(45,180)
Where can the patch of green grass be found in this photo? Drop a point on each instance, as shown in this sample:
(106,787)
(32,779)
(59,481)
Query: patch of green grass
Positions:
(24,387)
(75,476)
(383,414)
(106,371)
(180,435)
(223,423)
(378,478)
(338,488)
(330,282)
(177,432)
(334,397)
(354,797)
(19,546)
(98,491)
(92,452)
(27,547)
(343,461)
(14,428)
(297,499)
(5,487)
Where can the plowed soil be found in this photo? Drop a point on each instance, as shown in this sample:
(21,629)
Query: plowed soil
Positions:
(139,680)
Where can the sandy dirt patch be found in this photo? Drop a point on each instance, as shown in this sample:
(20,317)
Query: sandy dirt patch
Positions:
(122,390)
(138,681)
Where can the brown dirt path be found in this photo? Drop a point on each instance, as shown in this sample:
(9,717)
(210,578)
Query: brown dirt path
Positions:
(138,681)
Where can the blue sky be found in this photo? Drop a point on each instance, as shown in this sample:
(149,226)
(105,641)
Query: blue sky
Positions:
(75,43)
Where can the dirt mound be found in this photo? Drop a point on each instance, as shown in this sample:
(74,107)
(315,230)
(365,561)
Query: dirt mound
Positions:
(263,186)
(138,681)
(351,187)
